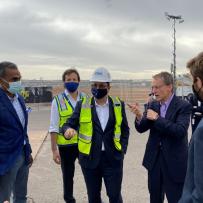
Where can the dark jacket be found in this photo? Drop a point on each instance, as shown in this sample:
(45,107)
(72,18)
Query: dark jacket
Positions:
(169,134)
(12,133)
(99,135)
(197,112)
(193,187)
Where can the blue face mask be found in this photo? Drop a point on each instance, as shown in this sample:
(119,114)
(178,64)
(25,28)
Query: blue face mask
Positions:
(99,93)
(71,86)
(15,87)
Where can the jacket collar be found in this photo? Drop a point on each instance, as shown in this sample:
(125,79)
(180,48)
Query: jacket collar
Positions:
(171,107)
(7,103)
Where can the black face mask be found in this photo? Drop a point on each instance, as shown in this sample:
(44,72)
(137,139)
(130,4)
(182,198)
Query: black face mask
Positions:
(99,93)
(196,93)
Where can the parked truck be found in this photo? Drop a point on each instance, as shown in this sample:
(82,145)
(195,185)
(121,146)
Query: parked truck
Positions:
(184,91)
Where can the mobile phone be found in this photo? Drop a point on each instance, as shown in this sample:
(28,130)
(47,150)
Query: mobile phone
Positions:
(152,96)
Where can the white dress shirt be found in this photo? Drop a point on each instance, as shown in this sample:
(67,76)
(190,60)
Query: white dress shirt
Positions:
(18,108)
(103,115)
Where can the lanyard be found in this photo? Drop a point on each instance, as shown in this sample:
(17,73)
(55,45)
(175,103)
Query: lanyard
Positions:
(68,100)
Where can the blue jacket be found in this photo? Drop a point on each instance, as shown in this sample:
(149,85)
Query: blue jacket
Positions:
(12,133)
(171,132)
(193,187)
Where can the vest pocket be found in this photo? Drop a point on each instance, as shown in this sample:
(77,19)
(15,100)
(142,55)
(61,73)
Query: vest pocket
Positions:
(84,144)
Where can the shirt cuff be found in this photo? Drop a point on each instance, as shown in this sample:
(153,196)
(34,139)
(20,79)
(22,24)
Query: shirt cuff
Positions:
(53,130)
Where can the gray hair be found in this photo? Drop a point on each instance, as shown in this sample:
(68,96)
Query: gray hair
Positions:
(5,65)
(166,77)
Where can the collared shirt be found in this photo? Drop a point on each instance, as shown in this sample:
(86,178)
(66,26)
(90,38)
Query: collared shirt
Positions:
(54,119)
(18,108)
(103,115)
(164,106)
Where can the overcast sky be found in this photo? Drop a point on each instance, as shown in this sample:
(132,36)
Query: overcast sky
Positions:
(132,38)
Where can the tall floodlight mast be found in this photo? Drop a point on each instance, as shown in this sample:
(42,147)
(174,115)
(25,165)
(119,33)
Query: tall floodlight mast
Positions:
(180,20)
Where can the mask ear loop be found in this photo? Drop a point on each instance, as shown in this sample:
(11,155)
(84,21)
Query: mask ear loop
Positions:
(6,88)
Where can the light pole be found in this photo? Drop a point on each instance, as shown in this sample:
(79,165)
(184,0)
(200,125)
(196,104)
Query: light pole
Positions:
(180,20)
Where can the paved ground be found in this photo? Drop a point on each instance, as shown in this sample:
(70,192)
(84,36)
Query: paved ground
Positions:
(45,183)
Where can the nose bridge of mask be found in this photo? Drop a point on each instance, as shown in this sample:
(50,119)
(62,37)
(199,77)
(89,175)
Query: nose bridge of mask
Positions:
(11,83)
(15,84)
(99,93)
(71,86)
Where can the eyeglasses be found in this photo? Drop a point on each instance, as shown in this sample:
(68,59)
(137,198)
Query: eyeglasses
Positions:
(15,79)
(99,86)
(157,87)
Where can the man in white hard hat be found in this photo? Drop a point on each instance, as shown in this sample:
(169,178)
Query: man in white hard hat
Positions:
(103,138)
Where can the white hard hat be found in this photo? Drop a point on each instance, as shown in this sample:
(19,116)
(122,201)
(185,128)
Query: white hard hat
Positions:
(101,75)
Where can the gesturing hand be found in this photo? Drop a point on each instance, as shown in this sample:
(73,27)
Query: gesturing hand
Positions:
(69,133)
(135,108)
(152,115)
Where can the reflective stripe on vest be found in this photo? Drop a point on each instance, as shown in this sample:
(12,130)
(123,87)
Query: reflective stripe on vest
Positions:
(118,116)
(65,111)
(86,129)
(86,126)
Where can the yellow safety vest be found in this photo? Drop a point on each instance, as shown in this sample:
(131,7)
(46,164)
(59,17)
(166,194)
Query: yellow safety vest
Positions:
(65,110)
(86,125)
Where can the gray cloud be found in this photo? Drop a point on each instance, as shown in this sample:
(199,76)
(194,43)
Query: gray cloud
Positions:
(128,36)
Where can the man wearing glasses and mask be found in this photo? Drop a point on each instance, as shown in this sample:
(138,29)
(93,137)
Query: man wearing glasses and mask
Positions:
(193,187)
(103,138)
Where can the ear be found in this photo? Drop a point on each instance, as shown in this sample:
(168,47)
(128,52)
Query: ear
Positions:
(170,87)
(198,81)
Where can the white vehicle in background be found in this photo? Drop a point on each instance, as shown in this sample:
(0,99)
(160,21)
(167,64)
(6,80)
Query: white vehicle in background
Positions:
(184,86)
(185,91)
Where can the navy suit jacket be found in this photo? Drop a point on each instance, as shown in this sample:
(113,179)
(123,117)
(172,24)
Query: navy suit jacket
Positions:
(193,187)
(115,157)
(12,133)
(171,133)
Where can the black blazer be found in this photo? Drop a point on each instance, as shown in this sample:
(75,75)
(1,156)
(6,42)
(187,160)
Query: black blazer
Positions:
(114,156)
(171,133)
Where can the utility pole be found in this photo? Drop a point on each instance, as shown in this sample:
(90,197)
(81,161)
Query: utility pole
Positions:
(180,20)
